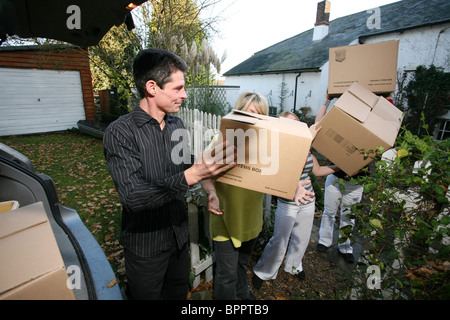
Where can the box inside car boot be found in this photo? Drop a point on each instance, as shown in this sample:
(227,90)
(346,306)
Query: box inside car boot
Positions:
(32,267)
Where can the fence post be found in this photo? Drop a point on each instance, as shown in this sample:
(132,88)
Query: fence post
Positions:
(198,123)
(196,199)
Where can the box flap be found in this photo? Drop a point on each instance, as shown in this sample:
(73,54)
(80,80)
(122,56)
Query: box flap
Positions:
(251,114)
(240,118)
(353,107)
(357,101)
(246,117)
(388,112)
(293,127)
(382,129)
(385,121)
(363,94)
(21,219)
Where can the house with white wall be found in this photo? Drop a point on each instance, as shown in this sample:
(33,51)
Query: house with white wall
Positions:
(299,65)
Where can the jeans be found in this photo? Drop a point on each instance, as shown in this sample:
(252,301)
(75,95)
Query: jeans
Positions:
(292,227)
(335,197)
(230,281)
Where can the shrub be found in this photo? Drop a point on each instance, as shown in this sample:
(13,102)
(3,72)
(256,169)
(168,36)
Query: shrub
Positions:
(404,219)
(427,93)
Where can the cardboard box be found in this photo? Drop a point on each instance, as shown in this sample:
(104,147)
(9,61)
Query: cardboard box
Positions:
(271,152)
(372,65)
(31,265)
(8,205)
(358,120)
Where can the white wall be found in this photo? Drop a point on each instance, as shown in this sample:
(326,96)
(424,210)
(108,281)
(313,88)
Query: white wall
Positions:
(269,85)
(232,94)
(421,46)
(309,91)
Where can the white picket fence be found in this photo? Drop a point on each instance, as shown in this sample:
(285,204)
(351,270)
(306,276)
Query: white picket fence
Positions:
(202,127)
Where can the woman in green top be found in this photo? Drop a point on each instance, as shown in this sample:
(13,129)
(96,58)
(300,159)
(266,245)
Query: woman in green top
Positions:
(235,222)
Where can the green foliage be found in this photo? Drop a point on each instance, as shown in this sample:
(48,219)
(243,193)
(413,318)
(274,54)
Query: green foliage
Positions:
(172,25)
(427,93)
(167,20)
(283,93)
(318,192)
(112,59)
(207,99)
(404,220)
(268,225)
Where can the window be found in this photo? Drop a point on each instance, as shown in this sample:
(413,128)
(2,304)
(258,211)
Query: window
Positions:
(273,111)
(443,131)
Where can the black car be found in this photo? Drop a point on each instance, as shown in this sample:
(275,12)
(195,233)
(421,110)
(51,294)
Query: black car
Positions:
(77,245)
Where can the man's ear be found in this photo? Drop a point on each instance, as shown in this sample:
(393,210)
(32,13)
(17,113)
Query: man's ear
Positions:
(150,87)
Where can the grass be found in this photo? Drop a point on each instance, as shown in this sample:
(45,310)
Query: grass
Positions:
(77,166)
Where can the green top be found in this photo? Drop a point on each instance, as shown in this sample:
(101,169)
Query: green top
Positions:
(242,217)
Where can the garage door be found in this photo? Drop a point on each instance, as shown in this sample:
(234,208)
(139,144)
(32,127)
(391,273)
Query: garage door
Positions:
(33,100)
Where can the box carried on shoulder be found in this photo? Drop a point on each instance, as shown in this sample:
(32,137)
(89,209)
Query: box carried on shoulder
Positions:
(372,65)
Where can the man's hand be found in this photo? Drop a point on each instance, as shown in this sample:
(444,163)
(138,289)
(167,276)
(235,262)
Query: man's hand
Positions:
(212,162)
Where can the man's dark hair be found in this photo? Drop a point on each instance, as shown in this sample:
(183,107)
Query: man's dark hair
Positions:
(157,65)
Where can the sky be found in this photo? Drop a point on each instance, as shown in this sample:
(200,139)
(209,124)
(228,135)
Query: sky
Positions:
(248,26)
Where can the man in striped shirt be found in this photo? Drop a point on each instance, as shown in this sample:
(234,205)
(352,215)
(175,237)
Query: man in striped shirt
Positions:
(147,154)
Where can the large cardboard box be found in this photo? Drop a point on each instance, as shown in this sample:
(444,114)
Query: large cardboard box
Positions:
(359,120)
(372,65)
(271,152)
(31,265)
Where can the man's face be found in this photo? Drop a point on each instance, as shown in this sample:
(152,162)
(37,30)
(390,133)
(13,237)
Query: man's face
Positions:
(170,98)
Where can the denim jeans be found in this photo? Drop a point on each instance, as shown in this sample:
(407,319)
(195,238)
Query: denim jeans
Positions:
(230,280)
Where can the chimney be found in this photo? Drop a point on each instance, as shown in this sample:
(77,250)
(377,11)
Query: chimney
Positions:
(322,20)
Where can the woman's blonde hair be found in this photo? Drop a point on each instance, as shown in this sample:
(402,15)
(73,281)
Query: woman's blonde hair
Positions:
(257,99)
(285,114)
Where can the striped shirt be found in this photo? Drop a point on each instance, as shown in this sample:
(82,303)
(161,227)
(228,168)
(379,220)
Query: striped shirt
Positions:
(150,185)
(305,176)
